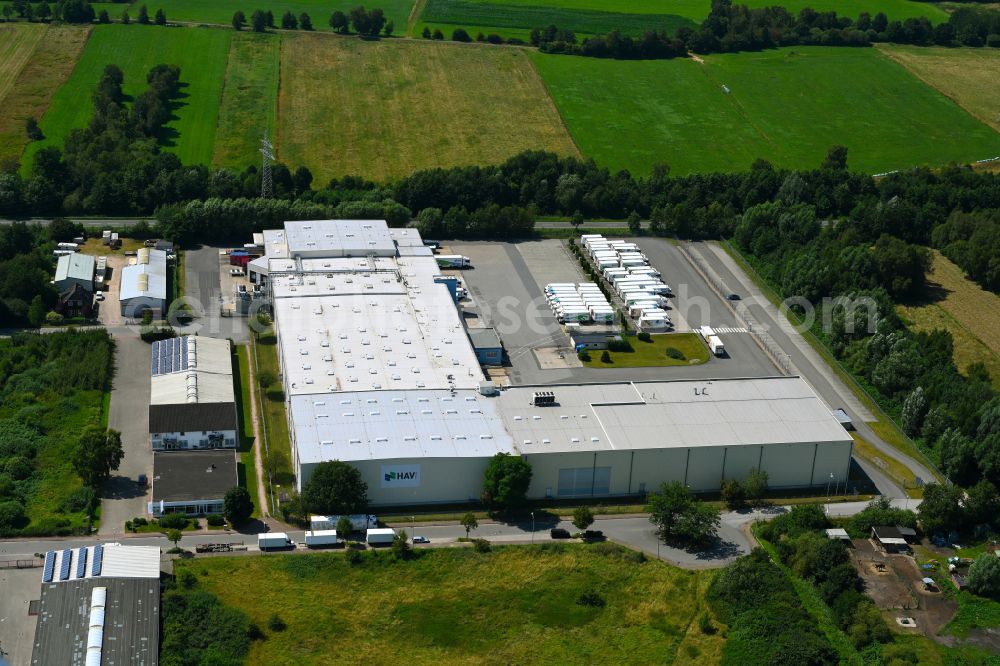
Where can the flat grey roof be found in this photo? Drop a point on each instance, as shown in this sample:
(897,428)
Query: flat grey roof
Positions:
(484,338)
(308,238)
(191,476)
(75,265)
(131,622)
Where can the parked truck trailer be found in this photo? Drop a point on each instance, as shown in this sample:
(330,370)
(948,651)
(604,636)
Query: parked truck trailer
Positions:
(274,541)
(380,536)
(320,538)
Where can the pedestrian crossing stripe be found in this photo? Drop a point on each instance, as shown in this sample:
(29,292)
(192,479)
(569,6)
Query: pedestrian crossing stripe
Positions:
(729,329)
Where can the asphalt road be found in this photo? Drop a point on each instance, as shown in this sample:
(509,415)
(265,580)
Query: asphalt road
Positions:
(90,223)
(809,365)
(634,531)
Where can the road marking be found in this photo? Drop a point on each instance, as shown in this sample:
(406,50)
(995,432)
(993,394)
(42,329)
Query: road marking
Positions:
(729,329)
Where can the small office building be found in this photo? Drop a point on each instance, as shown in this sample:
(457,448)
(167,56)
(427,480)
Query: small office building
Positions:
(192,482)
(486,343)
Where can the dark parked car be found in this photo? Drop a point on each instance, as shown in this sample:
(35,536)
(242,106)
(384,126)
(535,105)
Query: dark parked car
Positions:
(559,533)
(733,297)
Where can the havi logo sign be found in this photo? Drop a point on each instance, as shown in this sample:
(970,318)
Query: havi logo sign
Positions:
(400,476)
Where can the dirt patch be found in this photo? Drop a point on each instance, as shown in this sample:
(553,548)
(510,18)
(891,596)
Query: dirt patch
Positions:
(895,584)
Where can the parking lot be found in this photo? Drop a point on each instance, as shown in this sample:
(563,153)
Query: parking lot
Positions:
(17,627)
(204,268)
(506,284)
(129,414)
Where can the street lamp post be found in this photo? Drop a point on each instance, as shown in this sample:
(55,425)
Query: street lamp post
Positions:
(532,527)
(413,526)
(828,498)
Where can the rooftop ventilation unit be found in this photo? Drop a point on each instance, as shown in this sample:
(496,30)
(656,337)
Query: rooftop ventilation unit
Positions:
(544,398)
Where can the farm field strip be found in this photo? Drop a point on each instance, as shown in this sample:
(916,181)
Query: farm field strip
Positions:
(388,108)
(249,99)
(37,81)
(787,106)
(967,76)
(221,11)
(201,55)
(583,21)
(17,44)
(970,313)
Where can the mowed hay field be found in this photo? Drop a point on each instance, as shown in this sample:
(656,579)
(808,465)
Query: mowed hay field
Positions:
(35,60)
(17,43)
(968,76)
(221,11)
(787,106)
(249,98)
(515,605)
(388,108)
(201,55)
(968,312)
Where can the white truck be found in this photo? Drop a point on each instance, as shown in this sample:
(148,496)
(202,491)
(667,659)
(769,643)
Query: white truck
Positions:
(452,261)
(320,538)
(706,332)
(380,536)
(716,346)
(274,540)
(359,522)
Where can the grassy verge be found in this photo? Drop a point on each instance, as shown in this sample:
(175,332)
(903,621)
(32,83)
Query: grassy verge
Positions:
(248,468)
(891,467)
(278,452)
(515,605)
(884,427)
(653,353)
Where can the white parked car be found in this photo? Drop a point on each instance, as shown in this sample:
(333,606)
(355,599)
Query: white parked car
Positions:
(99,296)
(236,271)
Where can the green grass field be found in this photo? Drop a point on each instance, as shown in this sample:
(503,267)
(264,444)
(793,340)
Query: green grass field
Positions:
(248,471)
(29,88)
(201,55)
(515,18)
(654,353)
(450,14)
(387,108)
(515,605)
(787,106)
(967,76)
(249,99)
(221,11)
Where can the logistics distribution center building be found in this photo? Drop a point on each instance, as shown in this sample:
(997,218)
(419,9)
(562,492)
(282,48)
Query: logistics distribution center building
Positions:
(379,372)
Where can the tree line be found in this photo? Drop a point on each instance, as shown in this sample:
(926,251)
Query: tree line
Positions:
(75,11)
(365,22)
(731,28)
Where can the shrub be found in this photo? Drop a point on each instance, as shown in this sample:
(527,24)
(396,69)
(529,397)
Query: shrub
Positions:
(705,624)
(984,576)
(584,355)
(460,35)
(494,38)
(605,357)
(254,632)
(174,521)
(11,516)
(53,319)
(644,336)
(353,557)
(275,623)
(81,499)
(675,353)
(481,545)
(591,598)
(215,520)
(619,345)
(140,522)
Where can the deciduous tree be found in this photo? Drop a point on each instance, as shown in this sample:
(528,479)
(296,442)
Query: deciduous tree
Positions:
(505,482)
(237,505)
(335,487)
(98,453)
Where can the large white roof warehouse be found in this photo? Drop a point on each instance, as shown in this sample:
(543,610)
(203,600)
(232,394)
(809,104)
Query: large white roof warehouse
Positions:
(378,371)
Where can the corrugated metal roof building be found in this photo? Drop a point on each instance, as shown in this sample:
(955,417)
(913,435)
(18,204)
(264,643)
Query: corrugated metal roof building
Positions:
(73,269)
(144,284)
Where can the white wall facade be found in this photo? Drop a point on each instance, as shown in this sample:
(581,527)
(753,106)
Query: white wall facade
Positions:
(187,508)
(606,473)
(177,441)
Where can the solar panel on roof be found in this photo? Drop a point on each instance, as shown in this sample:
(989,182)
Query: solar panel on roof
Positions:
(67,559)
(50,565)
(81,563)
(95,567)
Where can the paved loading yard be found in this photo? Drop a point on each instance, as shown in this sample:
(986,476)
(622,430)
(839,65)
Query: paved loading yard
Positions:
(506,282)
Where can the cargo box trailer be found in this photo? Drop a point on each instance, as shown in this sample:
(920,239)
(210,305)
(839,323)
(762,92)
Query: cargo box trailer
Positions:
(359,522)
(380,536)
(452,261)
(706,332)
(274,540)
(319,538)
(715,345)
